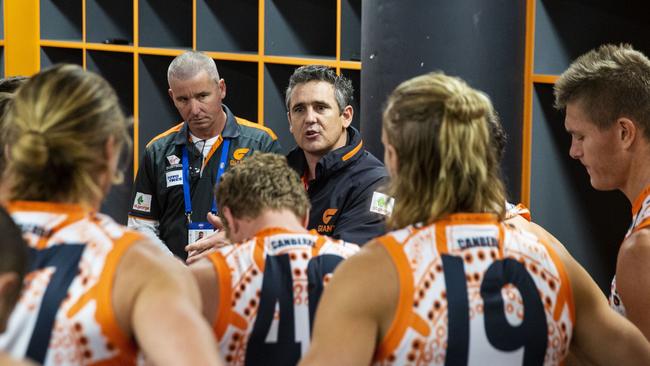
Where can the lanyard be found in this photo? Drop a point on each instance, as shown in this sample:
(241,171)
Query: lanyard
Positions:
(186,178)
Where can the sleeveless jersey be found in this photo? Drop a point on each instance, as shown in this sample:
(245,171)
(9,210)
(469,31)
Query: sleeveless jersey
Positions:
(269,289)
(519,209)
(465,284)
(640,220)
(65,314)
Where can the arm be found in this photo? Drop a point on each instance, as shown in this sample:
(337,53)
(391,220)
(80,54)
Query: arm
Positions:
(356,223)
(355,311)
(633,279)
(158,302)
(208,281)
(144,212)
(149,228)
(600,336)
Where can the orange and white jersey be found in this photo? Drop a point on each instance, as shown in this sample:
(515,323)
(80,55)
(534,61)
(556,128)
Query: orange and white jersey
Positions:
(465,284)
(65,314)
(519,209)
(269,287)
(640,220)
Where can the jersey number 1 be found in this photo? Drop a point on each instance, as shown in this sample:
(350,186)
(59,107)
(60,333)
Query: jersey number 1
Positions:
(277,288)
(65,260)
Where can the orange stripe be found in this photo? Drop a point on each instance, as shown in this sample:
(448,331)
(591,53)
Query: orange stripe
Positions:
(258,253)
(526,132)
(224,310)
(565,294)
(502,238)
(644,224)
(166,133)
(258,126)
(212,150)
(441,238)
(318,245)
(638,202)
(353,151)
(101,293)
(403,312)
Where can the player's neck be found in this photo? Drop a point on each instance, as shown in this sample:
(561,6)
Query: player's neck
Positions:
(283,219)
(639,174)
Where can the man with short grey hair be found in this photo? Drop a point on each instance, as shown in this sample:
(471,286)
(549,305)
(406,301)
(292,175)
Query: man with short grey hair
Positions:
(173,191)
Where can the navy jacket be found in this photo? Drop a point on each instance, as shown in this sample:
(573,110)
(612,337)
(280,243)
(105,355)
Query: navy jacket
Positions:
(341,194)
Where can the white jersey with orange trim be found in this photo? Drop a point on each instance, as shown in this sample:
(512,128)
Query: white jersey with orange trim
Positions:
(640,220)
(65,313)
(465,284)
(269,289)
(519,209)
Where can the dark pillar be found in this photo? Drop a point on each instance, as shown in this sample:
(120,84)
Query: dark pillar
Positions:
(482,41)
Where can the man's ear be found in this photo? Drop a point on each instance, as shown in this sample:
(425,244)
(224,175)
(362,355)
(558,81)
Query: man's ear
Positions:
(627,131)
(290,124)
(231,221)
(305,219)
(171,93)
(222,88)
(348,113)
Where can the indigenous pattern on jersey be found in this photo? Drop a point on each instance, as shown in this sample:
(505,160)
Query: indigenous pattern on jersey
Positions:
(269,290)
(465,284)
(65,314)
(519,209)
(640,220)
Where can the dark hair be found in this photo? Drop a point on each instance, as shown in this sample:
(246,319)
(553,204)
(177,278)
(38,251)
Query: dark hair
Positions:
(499,135)
(13,250)
(343,89)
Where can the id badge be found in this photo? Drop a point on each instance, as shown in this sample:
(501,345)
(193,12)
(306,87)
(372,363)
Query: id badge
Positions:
(198,230)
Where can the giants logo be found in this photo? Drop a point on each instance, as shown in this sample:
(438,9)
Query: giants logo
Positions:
(238,155)
(327,217)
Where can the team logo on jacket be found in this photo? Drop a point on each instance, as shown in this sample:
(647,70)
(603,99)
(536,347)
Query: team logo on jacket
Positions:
(238,155)
(142,202)
(173,159)
(325,228)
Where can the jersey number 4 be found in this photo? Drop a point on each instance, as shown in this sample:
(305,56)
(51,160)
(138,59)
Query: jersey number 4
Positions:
(277,288)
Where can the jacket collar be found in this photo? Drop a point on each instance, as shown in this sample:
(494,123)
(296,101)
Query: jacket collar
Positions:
(230,130)
(334,160)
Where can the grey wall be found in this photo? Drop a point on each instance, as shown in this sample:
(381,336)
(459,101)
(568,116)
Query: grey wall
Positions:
(481,41)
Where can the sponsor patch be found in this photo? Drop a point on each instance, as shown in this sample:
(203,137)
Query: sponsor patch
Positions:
(173,159)
(174,178)
(382,204)
(142,202)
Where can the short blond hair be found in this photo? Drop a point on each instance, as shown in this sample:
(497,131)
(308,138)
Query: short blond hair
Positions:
(611,82)
(260,182)
(439,127)
(57,127)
